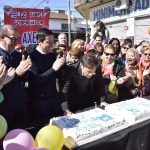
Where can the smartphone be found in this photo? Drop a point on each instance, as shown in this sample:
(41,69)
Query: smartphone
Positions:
(61,53)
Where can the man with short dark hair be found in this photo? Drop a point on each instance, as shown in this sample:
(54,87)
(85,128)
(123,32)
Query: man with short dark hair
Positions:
(44,101)
(84,85)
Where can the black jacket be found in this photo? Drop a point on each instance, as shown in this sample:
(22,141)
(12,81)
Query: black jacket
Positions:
(42,77)
(81,92)
(14,94)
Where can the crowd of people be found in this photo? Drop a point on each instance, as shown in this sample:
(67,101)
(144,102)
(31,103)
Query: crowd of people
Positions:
(50,80)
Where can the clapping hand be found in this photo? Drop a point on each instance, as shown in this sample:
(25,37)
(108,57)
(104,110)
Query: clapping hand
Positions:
(24,65)
(123,79)
(112,77)
(120,81)
(9,75)
(2,71)
(5,75)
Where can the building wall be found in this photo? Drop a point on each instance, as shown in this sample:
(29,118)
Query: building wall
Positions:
(141,28)
(115,27)
(106,12)
(56,24)
(131,22)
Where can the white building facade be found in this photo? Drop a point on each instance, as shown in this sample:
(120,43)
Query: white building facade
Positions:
(131,22)
(58,23)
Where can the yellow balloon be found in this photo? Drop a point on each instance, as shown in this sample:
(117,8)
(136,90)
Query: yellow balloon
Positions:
(3,126)
(50,137)
(112,88)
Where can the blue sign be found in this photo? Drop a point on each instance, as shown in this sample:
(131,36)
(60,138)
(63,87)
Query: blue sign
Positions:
(109,11)
(104,118)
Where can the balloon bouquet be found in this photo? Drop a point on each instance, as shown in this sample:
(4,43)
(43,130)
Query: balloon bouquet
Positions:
(48,138)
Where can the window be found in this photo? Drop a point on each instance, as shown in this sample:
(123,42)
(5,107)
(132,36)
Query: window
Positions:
(64,26)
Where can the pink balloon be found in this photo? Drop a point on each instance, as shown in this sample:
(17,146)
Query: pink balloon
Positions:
(18,139)
(40,149)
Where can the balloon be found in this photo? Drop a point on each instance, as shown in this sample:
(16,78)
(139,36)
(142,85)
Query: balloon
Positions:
(148,30)
(1,97)
(112,88)
(40,149)
(50,137)
(3,126)
(18,139)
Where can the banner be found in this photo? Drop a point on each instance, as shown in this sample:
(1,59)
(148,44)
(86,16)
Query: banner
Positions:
(27,21)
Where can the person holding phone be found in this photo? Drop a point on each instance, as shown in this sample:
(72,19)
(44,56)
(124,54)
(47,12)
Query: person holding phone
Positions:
(44,99)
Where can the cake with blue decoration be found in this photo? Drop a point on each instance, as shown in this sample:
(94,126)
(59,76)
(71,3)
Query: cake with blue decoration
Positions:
(89,126)
(134,110)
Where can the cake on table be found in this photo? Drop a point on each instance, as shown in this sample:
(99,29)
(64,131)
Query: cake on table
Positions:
(89,126)
(134,110)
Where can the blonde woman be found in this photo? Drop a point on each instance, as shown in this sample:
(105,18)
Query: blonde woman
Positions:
(145,65)
(77,45)
(132,81)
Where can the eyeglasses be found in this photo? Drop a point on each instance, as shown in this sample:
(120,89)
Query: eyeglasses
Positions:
(13,39)
(125,48)
(92,50)
(147,54)
(22,48)
(110,54)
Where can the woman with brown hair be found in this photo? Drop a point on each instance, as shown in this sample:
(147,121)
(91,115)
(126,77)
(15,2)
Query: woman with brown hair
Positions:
(111,71)
(76,51)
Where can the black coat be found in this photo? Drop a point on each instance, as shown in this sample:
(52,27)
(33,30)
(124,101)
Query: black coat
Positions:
(13,91)
(81,92)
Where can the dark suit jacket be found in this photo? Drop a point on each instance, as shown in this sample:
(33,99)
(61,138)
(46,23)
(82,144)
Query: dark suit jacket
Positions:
(14,94)
(81,92)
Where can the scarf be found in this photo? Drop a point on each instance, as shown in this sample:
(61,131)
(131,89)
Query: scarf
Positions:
(145,85)
(137,74)
(107,69)
(144,64)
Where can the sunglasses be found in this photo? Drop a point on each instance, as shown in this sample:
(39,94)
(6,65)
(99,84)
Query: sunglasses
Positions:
(147,54)
(110,54)
(125,48)
(91,50)
(13,39)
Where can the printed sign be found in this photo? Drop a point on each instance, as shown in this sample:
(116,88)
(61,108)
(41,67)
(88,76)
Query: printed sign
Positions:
(27,21)
(108,12)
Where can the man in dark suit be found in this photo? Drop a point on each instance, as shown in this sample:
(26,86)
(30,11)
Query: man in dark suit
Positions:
(14,107)
(84,85)
(44,101)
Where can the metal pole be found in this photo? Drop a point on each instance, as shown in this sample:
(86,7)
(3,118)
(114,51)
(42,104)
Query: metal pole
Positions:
(86,25)
(69,24)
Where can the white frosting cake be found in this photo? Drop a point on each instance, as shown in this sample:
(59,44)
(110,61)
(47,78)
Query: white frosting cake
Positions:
(134,110)
(89,126)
